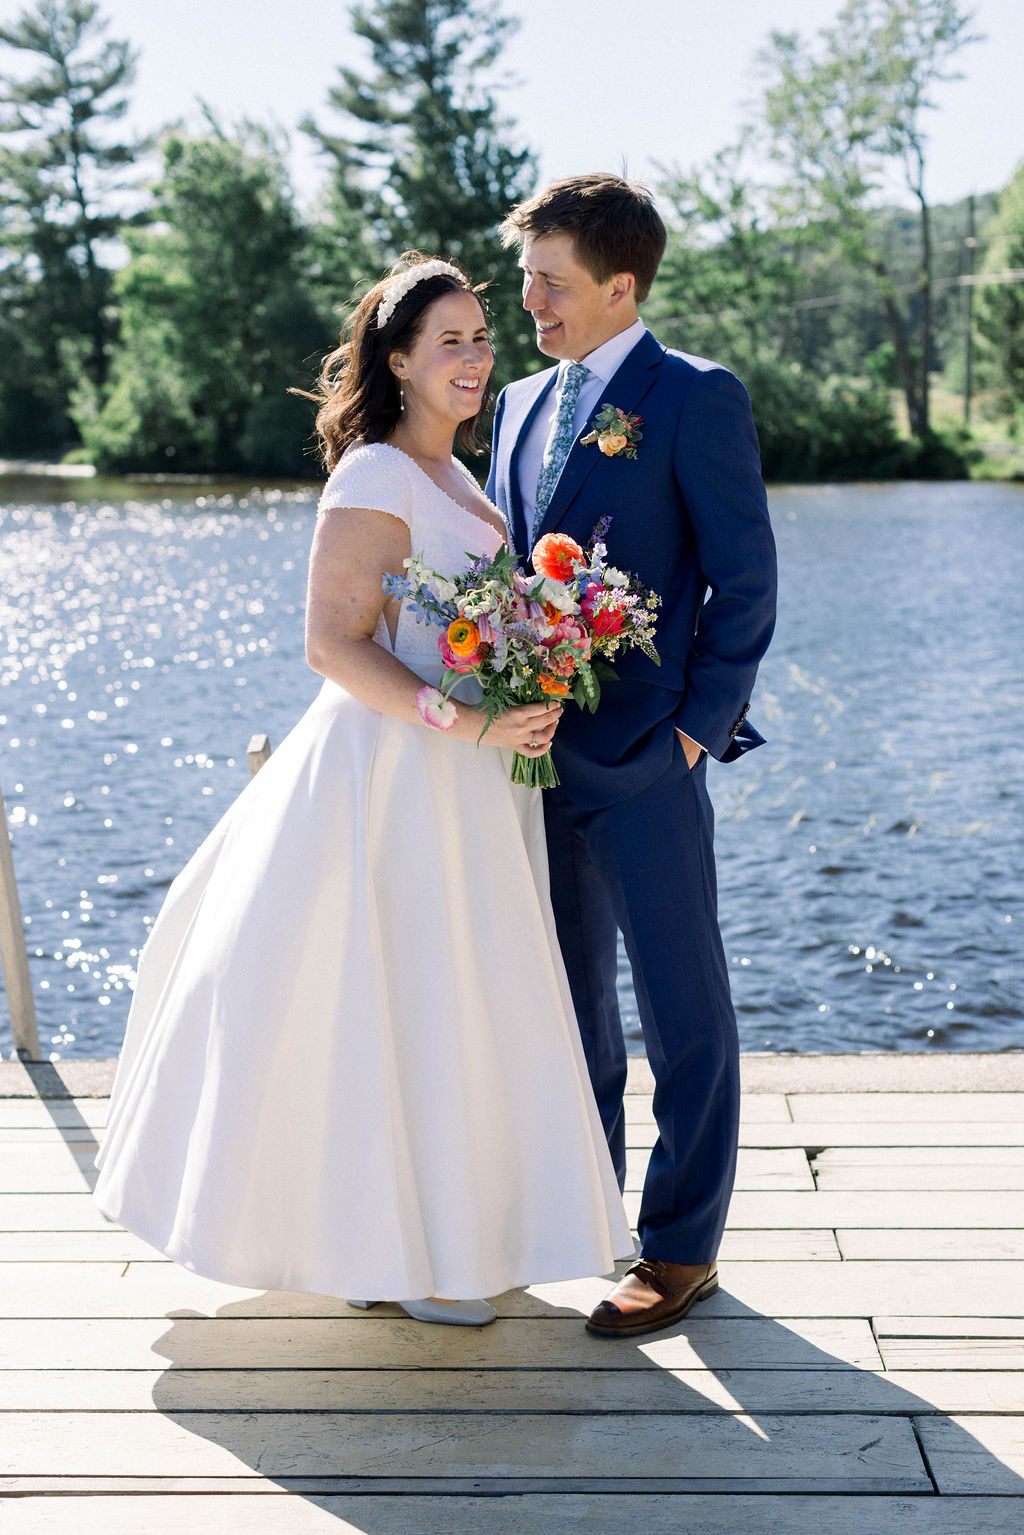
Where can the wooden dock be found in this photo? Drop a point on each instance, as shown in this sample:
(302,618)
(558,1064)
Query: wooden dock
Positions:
(862,1368)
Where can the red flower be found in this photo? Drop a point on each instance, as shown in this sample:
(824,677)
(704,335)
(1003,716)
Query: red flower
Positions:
(607,621)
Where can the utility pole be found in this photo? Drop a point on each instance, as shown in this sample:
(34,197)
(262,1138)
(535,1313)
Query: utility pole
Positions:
(969,243)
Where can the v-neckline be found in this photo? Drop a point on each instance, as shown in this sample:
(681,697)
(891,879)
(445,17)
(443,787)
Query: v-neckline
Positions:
(501,532)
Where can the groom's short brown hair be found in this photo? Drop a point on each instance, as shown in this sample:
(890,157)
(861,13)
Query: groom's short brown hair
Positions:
(614,225)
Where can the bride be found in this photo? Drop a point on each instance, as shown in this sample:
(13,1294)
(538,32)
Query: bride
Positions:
(351,1065)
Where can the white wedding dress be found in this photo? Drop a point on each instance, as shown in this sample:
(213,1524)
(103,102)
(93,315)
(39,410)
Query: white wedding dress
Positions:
(351,1064)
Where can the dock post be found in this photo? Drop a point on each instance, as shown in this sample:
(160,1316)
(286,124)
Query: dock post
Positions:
(257,752)
(14,955)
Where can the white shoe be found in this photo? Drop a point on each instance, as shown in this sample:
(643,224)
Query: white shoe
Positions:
(456,1313)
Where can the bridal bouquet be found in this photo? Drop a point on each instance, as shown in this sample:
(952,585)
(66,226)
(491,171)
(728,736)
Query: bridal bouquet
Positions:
(529,638)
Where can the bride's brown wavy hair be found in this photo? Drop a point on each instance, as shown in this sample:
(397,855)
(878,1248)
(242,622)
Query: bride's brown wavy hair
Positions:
(356,389)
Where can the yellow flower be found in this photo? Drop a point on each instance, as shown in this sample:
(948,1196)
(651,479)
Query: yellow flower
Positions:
(612,442)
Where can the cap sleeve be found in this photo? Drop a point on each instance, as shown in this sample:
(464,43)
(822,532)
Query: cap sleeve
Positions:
(372,475)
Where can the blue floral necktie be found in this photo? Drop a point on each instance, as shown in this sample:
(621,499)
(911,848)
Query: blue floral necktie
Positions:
(560,439)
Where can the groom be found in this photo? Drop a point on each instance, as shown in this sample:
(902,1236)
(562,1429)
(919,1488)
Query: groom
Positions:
(630,829)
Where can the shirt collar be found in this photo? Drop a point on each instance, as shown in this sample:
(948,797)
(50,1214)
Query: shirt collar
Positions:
(607,358)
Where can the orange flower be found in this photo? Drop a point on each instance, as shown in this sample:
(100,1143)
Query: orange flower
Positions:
(611,443)
(554,556)
(463,637)
(554,686)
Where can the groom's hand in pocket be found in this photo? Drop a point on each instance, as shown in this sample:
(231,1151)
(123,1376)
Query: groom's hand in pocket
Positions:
(691,750)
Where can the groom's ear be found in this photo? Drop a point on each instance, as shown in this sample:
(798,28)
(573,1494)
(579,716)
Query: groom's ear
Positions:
(622,288)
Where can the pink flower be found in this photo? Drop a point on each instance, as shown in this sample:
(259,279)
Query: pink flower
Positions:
(435,710)
(572,633)
(486,630)
(590,597)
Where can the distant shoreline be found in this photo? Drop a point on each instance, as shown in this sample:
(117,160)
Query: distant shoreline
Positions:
(31,469)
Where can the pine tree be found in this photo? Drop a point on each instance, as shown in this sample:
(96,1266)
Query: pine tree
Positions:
(63,176)
(215,319)
(427,161)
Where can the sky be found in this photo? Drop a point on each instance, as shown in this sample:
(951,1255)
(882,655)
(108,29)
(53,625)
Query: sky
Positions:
(598,84)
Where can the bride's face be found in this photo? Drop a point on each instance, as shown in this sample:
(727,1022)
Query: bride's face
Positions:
(446,370)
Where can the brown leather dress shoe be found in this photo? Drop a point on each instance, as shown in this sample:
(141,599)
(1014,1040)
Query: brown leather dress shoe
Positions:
(650,1295)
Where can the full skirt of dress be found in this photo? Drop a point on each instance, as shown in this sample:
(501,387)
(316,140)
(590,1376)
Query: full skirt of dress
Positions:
(352,1065)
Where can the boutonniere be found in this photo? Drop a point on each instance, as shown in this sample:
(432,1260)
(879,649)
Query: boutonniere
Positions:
(615,432)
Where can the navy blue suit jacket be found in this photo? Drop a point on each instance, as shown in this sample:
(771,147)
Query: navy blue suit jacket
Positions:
(690,518)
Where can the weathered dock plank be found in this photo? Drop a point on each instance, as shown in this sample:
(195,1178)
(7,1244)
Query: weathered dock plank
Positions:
(815,1133)
(935,1245)
(755,1109)
(114,1245)
(906,1209)
(906,1108)
(830,1453)
(44,1113)
(287,1342)
(977,1454)
(318,1389)
(849,1289)
(68,1168)
(273,1512)
(921,1168)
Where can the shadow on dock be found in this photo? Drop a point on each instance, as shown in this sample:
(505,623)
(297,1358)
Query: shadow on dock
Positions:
(321,1401)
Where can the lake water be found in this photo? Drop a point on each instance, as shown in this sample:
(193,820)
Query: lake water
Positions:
(869,856)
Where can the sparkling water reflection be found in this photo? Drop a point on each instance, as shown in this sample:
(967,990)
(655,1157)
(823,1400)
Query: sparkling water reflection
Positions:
(869,856)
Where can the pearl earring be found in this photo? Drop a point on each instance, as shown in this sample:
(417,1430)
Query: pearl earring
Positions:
(401,392)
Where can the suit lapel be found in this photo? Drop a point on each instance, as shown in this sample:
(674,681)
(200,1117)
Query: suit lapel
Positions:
(626,388)
(520,418)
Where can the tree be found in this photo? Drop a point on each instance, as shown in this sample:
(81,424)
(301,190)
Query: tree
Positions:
(63,177)
(1001,311)
(731,274)
(427,161)
(840,114)
(215,319)
(733,285)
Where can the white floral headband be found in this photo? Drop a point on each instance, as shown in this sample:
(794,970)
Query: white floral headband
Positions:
(407,280)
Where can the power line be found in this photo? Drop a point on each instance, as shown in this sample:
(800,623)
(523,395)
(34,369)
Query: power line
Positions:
(831,300)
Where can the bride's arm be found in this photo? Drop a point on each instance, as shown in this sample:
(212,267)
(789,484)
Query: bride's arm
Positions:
(350,557)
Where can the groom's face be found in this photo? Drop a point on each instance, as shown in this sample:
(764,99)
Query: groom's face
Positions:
(572,313)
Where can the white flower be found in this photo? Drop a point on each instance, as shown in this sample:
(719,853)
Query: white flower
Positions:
(614,577)
(443,589)
(559,595)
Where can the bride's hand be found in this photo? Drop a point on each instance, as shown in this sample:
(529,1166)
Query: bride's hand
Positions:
(526,728)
